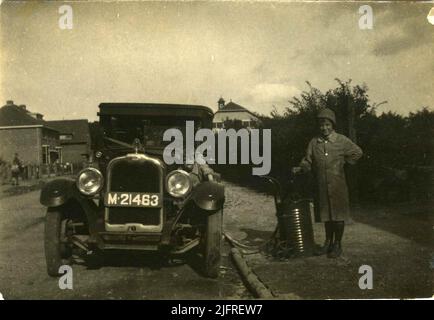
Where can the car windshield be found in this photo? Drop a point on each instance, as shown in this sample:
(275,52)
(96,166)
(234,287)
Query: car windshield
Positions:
(149,131)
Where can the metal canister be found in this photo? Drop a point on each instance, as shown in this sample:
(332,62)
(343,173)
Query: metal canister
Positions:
(295,227)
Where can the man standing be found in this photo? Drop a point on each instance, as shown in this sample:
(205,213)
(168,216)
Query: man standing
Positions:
(16,170)
(325,157)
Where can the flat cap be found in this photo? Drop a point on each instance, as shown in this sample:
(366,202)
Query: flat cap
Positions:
(327,114)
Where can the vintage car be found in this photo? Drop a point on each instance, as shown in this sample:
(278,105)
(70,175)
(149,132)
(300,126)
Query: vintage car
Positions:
(128,198)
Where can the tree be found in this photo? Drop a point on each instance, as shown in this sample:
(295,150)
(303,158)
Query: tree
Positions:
(398,150)
(420,145)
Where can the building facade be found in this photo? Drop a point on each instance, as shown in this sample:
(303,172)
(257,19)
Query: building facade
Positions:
(74,136)
(28,135)
(234,113)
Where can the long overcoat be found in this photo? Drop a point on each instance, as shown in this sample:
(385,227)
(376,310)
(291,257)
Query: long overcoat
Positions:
(325,158)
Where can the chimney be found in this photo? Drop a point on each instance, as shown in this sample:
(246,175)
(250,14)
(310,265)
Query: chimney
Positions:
(221,103)
(37,115)
(22,107)
(9,103)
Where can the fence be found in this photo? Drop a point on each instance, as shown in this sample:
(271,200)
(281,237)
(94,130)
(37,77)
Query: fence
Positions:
(34,171)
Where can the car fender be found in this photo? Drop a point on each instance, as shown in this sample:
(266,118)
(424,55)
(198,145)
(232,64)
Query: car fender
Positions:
(209,196)
(57,192)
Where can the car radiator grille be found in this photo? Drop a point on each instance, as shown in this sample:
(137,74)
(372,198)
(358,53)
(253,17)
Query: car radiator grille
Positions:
(128,175)
(134,176)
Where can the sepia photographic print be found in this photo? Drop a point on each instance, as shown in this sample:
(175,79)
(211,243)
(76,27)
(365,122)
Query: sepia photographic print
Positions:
(238,151)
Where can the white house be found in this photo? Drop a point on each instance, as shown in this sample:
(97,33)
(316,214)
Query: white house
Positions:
(233,111)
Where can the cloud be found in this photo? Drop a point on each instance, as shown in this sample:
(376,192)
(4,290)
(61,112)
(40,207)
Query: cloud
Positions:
(272,93)
(255,53)
(405,31)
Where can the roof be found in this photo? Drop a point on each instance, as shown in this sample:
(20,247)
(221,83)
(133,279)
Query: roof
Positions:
(234,107)
(78,128)
(13,116)
(156,109)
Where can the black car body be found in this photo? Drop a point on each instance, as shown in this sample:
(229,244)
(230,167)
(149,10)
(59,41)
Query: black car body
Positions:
(129,199)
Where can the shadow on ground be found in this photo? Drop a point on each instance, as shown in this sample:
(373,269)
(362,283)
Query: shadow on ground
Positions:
(411,221)
(256,237)
(151,260)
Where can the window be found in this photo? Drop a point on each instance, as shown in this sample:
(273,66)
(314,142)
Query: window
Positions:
(246,123)
(64,137)
(45,157)
(149,130)
(59,150)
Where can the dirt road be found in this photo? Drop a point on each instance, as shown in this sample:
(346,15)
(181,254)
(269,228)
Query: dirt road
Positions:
(396,242)
(23,274)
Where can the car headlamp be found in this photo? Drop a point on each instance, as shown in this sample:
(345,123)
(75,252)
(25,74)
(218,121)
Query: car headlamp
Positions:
(178,183)
(89,181)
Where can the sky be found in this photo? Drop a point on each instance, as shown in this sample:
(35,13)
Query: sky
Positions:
(257,54)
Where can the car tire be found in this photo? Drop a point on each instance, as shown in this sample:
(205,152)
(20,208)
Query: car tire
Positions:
(212,244)
(56,253)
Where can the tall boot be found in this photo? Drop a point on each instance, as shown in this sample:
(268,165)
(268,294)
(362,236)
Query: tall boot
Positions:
(338,230)
(326,248)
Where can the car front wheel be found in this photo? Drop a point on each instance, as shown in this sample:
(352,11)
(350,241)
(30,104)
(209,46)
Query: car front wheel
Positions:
(212,244)
(57,252)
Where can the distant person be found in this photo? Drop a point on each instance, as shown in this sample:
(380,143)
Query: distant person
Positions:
(325,157)
(3,172)
(16,170)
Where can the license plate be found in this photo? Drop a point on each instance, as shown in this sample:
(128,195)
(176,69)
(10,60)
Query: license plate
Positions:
(132,199)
